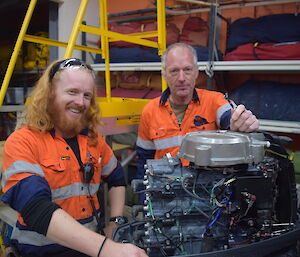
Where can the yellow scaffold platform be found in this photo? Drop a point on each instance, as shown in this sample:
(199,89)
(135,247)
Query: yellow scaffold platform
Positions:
(110,106)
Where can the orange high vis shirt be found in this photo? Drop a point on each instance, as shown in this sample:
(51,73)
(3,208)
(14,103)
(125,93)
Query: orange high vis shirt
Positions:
(159,132)
(39,164)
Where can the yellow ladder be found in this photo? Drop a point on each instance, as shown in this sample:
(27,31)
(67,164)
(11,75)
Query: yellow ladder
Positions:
(109,106)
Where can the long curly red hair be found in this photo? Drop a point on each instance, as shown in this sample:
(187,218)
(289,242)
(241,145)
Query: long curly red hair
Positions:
(36,114)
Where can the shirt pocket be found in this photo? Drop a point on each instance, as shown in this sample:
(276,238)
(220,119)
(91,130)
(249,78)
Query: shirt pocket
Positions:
(55,172)
(158,134)
(163,139)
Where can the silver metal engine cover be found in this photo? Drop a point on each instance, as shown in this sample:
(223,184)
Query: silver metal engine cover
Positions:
(218,148)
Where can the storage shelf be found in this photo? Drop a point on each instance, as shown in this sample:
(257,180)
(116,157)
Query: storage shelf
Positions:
(11,108)
(280,65)
(251,66)
(136,66)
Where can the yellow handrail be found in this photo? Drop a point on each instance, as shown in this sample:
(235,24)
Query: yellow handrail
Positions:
(106,37)
(16,50)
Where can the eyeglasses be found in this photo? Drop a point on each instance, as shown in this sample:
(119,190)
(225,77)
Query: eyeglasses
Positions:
(67,63)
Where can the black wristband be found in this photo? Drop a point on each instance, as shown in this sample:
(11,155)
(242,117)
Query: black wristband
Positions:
(101,246)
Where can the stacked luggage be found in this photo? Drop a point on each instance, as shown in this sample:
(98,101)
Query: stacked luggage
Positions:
(271,37)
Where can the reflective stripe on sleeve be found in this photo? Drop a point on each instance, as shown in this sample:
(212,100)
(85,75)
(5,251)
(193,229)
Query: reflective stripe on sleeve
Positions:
(145,144)
(21,167)
(108,168)
(221,111)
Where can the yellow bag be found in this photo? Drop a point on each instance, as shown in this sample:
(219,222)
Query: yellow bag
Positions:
(37,54)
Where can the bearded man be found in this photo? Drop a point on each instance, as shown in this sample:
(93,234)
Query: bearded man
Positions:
(52,168)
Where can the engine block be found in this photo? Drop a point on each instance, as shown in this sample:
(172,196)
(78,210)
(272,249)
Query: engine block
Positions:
(224,201)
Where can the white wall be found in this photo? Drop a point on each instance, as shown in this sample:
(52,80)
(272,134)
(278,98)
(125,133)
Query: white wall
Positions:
(66,16)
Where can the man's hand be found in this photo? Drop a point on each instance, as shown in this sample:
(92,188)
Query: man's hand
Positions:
(243,120)
(113,249)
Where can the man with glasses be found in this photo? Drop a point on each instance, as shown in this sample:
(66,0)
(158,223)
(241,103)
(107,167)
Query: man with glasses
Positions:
(182,108)
(52,167)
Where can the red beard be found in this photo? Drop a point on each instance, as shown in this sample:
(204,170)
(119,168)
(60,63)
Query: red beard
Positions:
(69,127)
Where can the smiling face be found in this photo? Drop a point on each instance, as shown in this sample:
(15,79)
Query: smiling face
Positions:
(180,73)
(71,100)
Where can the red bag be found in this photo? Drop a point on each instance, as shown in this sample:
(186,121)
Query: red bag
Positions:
(266,51)
(136,80)
(124,28)
(194,32)
(172,32)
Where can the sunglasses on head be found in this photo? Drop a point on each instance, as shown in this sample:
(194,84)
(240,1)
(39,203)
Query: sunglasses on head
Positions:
(67,63)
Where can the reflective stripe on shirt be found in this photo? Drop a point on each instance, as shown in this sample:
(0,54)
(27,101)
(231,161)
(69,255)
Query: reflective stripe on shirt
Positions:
(160,143)
(21,167)
(75,189)
(168,142)
(145,144)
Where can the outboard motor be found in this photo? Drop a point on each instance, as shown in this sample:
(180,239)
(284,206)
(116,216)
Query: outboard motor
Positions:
(236,197)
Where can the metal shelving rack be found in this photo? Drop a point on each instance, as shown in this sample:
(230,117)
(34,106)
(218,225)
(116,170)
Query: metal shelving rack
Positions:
(251,66)
(110,106)
(238,66)
(212,66)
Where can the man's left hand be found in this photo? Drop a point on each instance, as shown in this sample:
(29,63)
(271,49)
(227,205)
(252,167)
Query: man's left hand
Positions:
(243,120)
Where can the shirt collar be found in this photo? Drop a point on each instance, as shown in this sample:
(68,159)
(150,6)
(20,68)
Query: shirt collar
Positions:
(84,132)
(165,95)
